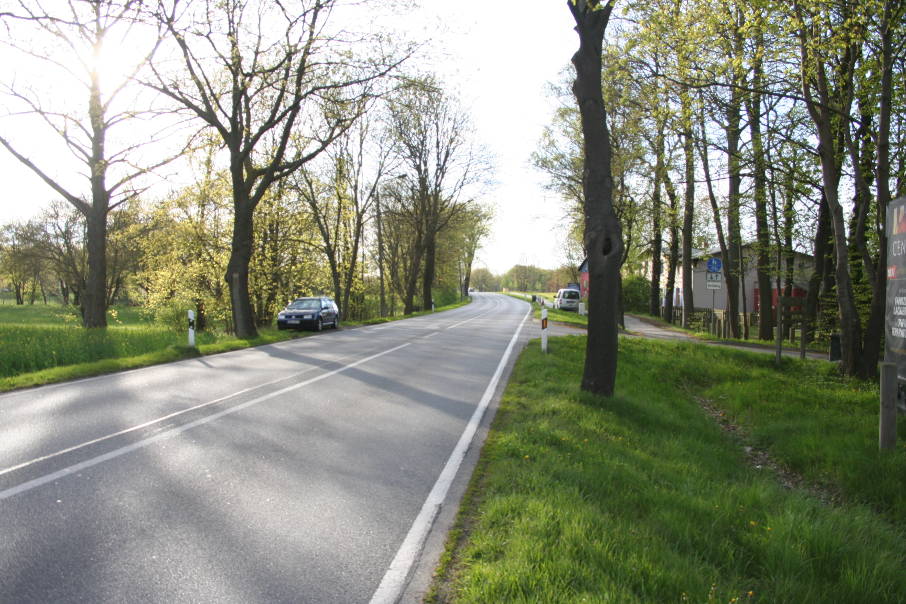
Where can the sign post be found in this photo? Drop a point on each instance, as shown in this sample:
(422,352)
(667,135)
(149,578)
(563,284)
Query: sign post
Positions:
(713,282)
(894,324)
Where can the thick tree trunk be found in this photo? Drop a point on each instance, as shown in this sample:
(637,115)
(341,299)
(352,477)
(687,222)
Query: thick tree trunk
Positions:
(430,267)
(349,278)
(603,233)
(415,264)
(94,298)
(237,273)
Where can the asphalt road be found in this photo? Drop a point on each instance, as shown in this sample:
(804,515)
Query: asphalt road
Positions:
(297,472)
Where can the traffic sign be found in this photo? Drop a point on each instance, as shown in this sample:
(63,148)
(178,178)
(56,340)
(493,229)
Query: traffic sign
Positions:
(713,280)
(714,265)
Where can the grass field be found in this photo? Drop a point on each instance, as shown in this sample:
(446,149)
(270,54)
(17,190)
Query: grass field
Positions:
(645,498)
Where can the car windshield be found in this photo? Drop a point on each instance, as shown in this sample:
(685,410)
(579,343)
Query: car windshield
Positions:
(570,294)
(306,304)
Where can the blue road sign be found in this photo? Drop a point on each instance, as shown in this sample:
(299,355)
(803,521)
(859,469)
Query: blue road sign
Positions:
(714,265)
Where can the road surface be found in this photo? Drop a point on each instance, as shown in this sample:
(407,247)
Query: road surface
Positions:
(305,471)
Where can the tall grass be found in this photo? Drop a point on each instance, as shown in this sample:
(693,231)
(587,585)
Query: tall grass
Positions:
(27,348)
(34,338)
(643,498)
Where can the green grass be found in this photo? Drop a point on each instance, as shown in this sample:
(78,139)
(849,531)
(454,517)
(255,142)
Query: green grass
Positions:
(554,314)
(821,347)
(643,498)
(44,344)
(38,338)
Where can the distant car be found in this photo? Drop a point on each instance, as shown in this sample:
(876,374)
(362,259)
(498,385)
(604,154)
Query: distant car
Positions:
(567,299)
(312,313)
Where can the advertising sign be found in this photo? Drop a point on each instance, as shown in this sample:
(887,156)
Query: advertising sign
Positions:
(895,321)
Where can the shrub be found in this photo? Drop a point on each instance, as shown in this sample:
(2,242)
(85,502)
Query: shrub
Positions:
(636,292)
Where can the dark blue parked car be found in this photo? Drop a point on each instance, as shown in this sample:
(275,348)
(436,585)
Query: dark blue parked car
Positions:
(312,313)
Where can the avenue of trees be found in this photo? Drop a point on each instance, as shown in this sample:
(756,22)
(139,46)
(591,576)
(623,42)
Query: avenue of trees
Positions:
(778,125)
(308,159)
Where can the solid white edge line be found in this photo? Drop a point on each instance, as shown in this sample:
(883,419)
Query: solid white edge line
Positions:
(394,580)
(42,480)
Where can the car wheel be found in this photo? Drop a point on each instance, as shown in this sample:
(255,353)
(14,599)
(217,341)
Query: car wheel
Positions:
(336,323)
(319,325)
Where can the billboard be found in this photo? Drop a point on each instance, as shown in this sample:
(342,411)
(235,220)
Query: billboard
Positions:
(895,320)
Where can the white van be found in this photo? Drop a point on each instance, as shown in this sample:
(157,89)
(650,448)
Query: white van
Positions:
(567,299)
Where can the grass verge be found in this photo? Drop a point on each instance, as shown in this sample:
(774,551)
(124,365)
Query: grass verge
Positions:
(643,498)
(554,314)
(708,337)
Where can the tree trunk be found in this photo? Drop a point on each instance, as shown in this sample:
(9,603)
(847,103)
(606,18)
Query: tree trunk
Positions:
(657,242)
(430,266)
(673,251)
(94,298)
(827,86)
(603,233)
(733,259)
(688,224)
(237,273)
(415,264)
(762,230)
(875,329)
(380,250)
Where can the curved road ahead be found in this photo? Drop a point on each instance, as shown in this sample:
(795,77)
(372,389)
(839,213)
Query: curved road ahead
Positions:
(297,472)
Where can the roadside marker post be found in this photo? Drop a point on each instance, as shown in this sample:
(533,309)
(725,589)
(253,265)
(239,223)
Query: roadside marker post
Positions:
(191,329)
(581,309)
(543,330)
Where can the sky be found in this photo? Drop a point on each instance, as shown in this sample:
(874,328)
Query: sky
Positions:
(499,58)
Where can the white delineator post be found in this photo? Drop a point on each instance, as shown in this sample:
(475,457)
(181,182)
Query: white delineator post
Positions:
(543,330)
(191,329)
(581,309)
